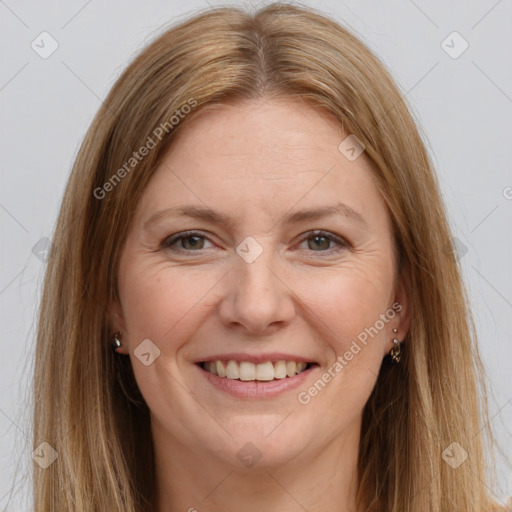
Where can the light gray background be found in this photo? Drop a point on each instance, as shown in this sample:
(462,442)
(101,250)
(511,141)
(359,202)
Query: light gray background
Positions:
(463,105)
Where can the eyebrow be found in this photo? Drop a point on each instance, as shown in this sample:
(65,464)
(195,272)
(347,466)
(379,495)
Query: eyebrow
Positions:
(207,214)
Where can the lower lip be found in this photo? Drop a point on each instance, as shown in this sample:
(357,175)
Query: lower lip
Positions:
(256,389)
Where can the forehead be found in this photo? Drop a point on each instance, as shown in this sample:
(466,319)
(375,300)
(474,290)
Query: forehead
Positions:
(265,134)
(268,155)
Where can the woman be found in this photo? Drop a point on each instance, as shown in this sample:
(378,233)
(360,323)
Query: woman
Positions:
(254,225)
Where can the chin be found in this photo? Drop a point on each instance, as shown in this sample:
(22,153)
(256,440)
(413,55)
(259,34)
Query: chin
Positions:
(262,444)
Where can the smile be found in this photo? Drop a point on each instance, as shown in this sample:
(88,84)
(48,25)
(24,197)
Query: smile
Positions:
(248,371)
(256,380)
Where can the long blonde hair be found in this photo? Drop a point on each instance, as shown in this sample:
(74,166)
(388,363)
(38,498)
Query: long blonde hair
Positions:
(87,404)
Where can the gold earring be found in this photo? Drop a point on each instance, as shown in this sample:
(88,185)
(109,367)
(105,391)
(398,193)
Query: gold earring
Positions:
(395,352)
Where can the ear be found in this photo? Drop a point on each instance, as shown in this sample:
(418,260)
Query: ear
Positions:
(116,322)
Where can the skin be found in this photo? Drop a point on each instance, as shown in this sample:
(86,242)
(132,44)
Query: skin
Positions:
(258,161)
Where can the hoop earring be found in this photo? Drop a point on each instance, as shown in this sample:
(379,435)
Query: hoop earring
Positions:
(116,344)
(396,352)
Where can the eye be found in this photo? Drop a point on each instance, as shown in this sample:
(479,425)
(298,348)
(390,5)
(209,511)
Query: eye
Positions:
(320,241)
(193,241)
(186,241)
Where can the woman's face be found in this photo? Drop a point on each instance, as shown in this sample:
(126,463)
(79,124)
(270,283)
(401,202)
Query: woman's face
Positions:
(300,269)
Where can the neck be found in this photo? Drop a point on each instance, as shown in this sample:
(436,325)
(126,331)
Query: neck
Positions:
(199,481)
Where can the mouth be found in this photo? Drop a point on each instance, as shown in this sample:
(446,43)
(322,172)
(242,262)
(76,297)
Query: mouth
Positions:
(248,371)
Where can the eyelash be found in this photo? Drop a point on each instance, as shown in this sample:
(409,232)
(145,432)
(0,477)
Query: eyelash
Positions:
(171,240)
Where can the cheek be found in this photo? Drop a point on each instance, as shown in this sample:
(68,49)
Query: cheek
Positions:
(163,305)
(159,303)
(347,309)
(348,302)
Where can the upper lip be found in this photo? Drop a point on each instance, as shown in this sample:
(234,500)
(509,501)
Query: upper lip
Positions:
(255,358)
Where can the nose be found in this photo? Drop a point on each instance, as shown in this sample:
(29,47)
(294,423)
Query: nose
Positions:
(257,297)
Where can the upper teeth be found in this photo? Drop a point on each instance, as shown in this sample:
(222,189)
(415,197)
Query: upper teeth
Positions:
(245,370)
